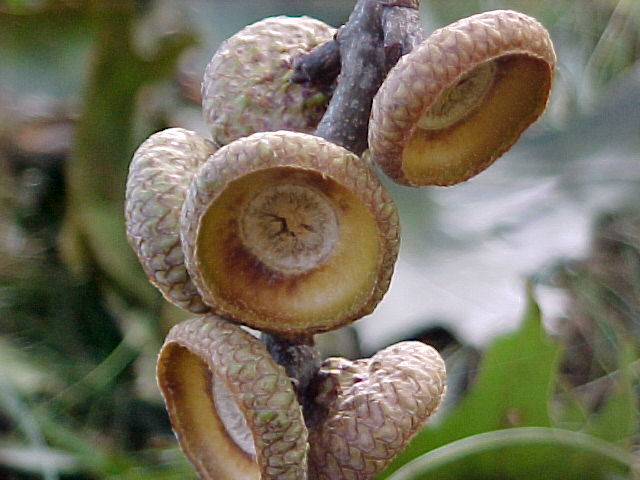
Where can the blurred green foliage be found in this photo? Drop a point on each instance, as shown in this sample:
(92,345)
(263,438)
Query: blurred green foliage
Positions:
(526,452)
(83,82)
(514,389)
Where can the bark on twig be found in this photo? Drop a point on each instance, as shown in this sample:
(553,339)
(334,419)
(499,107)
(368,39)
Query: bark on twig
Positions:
(376,35)
(402,26)
(363,67)
(301,361)
(320,66)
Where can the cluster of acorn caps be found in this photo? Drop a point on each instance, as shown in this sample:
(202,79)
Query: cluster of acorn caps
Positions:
(274,228)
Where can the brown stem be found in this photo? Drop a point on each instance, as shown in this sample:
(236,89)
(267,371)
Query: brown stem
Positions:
(300,359)
(319,66)
(363,68)
(401,27)
(377,33)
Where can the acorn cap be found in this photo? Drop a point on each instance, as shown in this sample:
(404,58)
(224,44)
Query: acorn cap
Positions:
(289,234)
(232,408)
(159,175)
(247,87)
(373,408)
(461,99)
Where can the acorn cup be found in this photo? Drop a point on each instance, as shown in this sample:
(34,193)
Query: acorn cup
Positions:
(232,408)
(247,87)
(372,408)
(159,174)
(289,234)
(459,100)
(235,412)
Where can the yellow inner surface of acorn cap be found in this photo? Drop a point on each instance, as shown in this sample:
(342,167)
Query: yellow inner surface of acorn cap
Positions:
(460,100)
(286,249)
(187,384)
(290,228)
(448,155)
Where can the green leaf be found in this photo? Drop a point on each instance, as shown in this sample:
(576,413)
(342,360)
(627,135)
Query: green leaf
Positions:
(617,419)
(512,389)
(530,453)
(569,412)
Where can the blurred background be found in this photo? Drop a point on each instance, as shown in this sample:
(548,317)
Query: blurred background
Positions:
(82,84)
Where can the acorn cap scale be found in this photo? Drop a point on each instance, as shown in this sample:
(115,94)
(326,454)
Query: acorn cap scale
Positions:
(373,407)
(289,234)
(462,98)
(160,171)
(247,87)
(233,408)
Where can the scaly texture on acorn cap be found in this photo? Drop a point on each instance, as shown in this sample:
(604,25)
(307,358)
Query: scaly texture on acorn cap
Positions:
(232,408)
(289,234)
(373,407)
(159,174)
(247,87)
(461,99)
